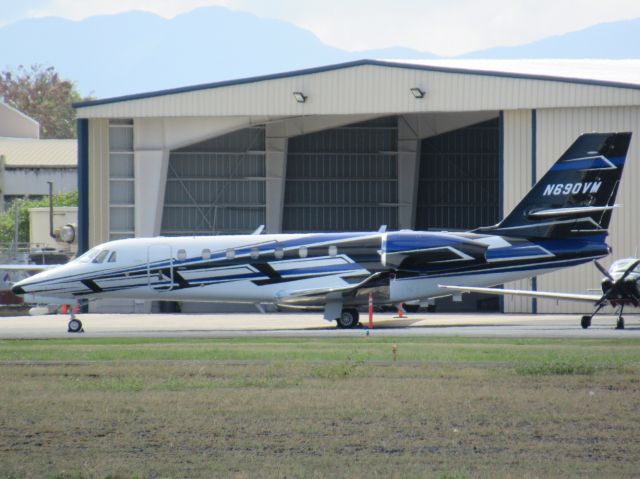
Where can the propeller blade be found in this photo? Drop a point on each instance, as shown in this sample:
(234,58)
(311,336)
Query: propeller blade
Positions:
(630,269)
(603,270)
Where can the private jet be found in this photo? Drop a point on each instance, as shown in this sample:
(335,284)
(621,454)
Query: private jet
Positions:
(561,222)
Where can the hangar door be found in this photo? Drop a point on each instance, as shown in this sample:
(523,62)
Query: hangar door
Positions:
(459,182)
(216,186)
(343,179)
(459,189)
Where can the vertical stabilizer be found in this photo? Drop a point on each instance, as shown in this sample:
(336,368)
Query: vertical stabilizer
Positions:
(576,197)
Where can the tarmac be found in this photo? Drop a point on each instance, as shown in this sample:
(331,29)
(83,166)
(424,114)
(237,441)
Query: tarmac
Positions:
(312,325)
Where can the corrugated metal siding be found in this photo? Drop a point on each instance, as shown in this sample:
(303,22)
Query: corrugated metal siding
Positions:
(516,182)
(343,179)
(370,89)
(25,152)
(217,186)
(98,181)
(556,130)
(459,179)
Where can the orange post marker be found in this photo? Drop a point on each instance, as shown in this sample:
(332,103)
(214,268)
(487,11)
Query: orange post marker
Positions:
(370,310)
(400,310)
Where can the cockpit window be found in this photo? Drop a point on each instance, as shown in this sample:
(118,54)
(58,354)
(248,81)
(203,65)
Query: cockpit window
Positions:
(88,256)
(112,257)
(101,256)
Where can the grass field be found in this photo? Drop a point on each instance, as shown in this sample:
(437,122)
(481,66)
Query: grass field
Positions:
(264,407)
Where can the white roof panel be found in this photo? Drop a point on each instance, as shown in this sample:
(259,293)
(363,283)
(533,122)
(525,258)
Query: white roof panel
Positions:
(376,87)
(615,71)
(25,153)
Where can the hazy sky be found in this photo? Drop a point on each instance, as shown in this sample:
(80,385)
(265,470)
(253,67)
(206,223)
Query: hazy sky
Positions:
(444,27)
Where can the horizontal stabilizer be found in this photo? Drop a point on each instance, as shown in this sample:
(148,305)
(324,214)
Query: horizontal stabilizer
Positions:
(590,298)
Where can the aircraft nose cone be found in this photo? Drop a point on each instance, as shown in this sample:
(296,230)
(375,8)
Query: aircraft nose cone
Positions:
(17,290)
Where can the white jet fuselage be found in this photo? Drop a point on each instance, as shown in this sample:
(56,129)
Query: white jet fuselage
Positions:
(302,270)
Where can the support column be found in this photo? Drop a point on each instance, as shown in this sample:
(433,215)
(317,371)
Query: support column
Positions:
(408,173)
(151,163)
(83,185)
(150,167)
(276,172)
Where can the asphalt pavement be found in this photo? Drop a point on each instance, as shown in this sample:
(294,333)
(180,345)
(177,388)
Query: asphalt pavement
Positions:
(312,325)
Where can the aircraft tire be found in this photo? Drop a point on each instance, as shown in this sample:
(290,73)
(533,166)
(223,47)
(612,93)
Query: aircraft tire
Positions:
(75,326)
(585,322)
(348,319)
(620,323)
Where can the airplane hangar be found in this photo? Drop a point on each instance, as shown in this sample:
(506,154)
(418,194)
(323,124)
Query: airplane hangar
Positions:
(443,145)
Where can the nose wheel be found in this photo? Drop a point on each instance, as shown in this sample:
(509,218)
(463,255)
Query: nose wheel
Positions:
(620,322)
(75,325)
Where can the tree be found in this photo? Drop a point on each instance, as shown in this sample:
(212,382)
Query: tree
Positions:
(40,93)
(7,219)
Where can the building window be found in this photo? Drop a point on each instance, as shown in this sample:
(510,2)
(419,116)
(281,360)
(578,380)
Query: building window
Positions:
(121,180)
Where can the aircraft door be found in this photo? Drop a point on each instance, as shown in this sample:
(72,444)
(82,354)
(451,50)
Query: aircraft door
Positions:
(160,268)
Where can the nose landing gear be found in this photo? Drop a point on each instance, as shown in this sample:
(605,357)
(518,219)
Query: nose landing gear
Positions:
(74,325)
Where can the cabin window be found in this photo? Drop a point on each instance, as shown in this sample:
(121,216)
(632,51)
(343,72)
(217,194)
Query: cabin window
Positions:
(101,256)
(182,254)
(231,253)
(303,252)
(206,253)
(255,253)
(112,257)
(279,252)
(333,250)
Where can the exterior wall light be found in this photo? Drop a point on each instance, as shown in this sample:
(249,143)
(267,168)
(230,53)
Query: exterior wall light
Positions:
(417,92)
(68,233)
(300,97)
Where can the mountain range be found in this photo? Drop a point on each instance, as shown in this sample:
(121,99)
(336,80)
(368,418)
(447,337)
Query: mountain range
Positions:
(136,51)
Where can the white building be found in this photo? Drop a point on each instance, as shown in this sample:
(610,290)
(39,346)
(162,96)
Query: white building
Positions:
(27,163)
(436,144)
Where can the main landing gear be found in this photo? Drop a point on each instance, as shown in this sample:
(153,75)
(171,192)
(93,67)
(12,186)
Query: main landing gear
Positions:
(585,322)
(349,318)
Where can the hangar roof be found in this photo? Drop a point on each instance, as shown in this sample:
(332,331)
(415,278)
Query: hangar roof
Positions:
(624,72)
(374,86)
(34,153)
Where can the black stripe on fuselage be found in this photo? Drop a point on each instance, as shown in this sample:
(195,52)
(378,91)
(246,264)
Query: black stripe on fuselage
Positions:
(91,285)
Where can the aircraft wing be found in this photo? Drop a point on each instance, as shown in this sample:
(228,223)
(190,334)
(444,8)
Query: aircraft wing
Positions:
(591,298)
(335,292)
(27,267)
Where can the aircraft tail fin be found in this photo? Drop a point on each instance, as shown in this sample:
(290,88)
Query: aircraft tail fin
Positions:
(576,197)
